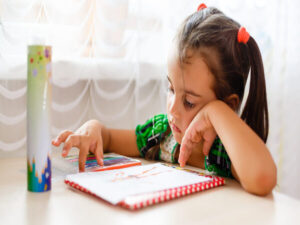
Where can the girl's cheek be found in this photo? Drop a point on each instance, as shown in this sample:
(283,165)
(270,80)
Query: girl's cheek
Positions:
(169,102)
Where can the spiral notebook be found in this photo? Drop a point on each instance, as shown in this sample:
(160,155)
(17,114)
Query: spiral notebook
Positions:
(140,186)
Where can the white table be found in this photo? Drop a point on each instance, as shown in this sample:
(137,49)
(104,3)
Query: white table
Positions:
(228,204)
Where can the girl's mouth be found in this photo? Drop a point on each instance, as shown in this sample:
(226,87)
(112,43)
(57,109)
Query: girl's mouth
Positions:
(175,128)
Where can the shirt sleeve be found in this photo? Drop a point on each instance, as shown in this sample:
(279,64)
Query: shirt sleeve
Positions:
(150,133)
(218,160)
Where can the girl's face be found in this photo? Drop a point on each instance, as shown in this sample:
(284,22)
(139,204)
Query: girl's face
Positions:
(190,89)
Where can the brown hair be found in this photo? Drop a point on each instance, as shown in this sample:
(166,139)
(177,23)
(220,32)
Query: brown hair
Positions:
(212,35)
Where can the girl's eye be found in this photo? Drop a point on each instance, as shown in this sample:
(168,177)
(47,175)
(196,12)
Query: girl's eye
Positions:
(188,104)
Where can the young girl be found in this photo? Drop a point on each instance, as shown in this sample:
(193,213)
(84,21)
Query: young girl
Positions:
(208,66)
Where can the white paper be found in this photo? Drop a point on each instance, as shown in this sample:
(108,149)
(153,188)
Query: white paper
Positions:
(114,185)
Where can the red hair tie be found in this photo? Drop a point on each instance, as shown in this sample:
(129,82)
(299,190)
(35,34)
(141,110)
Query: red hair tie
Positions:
(243,35)
(201,6)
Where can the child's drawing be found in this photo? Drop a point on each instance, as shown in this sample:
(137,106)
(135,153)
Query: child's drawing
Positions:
(120,176)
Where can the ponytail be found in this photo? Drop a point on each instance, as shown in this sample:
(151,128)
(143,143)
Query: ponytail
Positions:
(255,112)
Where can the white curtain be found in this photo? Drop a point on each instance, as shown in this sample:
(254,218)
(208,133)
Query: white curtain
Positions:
(109,63)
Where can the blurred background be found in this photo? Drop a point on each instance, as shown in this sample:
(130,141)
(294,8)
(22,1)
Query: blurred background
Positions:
(109,63)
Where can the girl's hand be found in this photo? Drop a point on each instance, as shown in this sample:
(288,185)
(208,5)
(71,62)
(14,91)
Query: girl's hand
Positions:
(200,130)
(88,138)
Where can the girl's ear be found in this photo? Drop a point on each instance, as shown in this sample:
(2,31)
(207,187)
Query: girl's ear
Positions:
(233,101)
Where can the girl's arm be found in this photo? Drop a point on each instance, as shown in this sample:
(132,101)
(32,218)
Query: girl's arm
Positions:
(252,163)
(251,160)
(121,142)
(96,138)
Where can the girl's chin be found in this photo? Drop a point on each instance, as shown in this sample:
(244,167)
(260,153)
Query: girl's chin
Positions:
(177,137)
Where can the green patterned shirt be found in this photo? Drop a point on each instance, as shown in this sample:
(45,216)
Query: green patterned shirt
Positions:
(151,134)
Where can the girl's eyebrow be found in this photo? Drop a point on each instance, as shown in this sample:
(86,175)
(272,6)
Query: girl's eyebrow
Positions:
(190,92)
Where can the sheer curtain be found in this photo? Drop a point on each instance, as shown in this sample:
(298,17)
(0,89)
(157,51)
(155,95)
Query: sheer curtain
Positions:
(109,63)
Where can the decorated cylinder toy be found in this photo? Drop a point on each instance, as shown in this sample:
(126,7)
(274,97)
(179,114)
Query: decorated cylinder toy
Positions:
(38,118)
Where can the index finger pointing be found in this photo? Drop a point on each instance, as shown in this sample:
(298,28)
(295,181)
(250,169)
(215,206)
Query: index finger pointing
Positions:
(185,151)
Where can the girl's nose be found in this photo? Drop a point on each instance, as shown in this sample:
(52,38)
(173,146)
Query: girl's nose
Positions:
(174,107)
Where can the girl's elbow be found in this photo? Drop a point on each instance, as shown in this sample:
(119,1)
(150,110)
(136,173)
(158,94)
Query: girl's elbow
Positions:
(266,183)
(263,183)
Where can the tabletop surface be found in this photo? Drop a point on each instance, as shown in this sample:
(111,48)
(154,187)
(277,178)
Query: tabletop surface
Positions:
(228,204)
